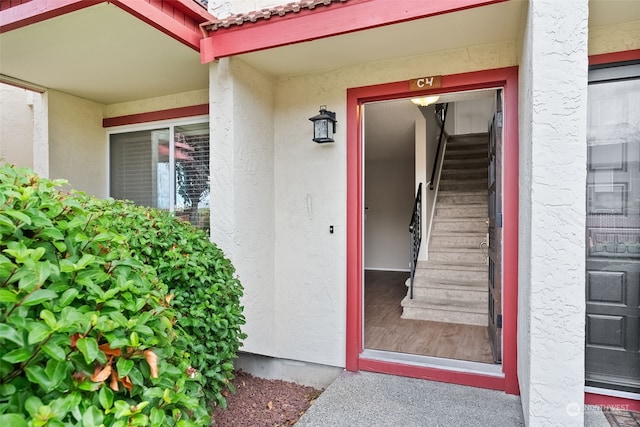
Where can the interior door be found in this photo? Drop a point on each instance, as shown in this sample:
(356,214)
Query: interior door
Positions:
(495,230)
(613,230)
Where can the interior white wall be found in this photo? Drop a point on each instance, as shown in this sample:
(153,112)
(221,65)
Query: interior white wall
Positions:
(389,197)
(16,126)
(242,190)
(77,150)
(473,116)
(432,134)
(552,123)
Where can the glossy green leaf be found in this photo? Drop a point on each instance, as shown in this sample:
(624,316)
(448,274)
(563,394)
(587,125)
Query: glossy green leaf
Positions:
(7,389)
(89,348)
(105,396)
(18,355)
(49,318)
(54,351)
(13,420)
(124,366)
(8,333)
(18,215)
(32,405)
(157,417)
(39,332)
(67,297)
(38,297)
(92,417)
(7,296)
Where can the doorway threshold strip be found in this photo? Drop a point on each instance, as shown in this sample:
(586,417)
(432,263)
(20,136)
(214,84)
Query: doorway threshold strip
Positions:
(434,362)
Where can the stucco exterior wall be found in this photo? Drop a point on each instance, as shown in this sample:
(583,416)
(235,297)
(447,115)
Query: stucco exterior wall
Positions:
(16,126)
(242,189)
(77,147)
(614,38)
(306,320)
(551,310)
(185,99)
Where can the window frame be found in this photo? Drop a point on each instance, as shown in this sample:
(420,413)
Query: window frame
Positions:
(171,124)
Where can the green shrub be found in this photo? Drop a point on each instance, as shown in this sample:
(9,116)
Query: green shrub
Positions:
(86,331)
(202,281)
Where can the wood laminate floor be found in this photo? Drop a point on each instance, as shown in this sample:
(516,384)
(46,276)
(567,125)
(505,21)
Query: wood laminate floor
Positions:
(385,330)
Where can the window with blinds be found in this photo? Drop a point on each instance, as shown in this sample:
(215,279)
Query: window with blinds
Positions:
(165,168)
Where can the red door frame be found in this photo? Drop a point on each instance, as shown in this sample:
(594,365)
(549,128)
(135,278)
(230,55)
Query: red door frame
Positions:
(506,78)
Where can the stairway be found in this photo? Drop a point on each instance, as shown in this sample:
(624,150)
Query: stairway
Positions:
(452,285)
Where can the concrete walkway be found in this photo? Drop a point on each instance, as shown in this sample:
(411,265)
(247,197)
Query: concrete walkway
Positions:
(369,400)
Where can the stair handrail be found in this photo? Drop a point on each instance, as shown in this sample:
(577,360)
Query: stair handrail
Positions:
(415,230)
(435,161)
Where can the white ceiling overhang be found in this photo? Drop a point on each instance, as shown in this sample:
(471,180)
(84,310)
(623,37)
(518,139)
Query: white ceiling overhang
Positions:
(101,53)
(474,26)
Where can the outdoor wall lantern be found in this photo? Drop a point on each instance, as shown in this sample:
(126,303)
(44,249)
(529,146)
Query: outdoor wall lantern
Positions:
(324,125)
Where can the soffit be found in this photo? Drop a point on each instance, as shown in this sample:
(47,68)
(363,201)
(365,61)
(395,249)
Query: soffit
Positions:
(471,27)
(476,26)
(103,54)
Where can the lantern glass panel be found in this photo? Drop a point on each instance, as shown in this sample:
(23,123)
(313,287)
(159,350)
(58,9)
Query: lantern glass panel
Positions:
(321,128)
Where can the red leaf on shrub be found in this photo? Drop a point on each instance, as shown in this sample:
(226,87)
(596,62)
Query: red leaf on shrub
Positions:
(78,377)
(106,349)
(152,360)
(74,339)
(114,381)
(101,374)
(126,382)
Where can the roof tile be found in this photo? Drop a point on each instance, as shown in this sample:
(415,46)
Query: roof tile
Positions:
(264,14)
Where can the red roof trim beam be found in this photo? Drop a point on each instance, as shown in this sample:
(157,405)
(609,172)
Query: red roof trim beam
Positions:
(295,24)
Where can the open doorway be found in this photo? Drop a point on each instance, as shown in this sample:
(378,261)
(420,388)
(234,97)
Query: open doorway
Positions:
(448,153)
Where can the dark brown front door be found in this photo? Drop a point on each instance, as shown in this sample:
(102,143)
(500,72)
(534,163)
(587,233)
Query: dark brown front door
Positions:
(613,229)
(495,231)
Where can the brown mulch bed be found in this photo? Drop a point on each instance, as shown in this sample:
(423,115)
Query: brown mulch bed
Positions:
(264,403)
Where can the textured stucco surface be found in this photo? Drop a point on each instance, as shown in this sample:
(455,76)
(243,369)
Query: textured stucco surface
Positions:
(242,212)
(16,126)
(185,99)
(276,193)
(614,38)
(77,150)
(553,80)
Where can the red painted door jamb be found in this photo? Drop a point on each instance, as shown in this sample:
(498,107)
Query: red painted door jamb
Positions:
(356,97)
